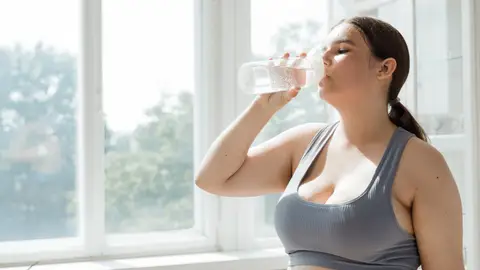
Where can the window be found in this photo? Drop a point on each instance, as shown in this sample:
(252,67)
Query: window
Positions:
(148,103)
(105,115)
(148,98)
(440,74)
(38,75)
(110,172)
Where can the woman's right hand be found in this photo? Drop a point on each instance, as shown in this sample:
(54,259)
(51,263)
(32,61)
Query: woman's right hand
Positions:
(277,100)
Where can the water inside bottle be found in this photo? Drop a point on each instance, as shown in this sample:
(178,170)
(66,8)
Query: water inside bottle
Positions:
(279,78)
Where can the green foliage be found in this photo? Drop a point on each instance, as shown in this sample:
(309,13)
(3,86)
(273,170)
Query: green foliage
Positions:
(36,85)
(150,186)
(149,177)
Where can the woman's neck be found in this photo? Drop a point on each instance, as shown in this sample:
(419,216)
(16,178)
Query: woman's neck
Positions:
(363,125)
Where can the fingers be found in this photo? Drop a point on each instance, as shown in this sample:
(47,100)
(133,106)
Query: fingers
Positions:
(282,62)
(284,59)
(289,75)
(299,59)
(292,93)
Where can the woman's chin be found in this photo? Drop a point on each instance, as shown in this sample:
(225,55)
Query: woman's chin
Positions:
(329,95)
(323,92)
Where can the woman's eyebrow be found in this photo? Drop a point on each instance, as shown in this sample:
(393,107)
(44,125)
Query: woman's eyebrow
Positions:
(341,40)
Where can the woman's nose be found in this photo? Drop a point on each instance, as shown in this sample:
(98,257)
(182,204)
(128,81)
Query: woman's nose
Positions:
(327,61)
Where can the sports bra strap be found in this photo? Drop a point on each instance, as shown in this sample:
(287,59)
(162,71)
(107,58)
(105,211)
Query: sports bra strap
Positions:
(313,149)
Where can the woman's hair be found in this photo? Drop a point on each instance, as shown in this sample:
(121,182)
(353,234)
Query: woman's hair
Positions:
(387,42)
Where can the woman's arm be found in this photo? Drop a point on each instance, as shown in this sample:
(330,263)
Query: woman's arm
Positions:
(230,156)
(437,211)
(232,167)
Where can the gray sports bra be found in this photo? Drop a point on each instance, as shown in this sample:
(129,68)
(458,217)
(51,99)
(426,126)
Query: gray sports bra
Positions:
(362,234)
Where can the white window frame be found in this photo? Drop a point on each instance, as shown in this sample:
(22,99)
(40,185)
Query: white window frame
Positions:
(471,78)
(92,242)
(221,26)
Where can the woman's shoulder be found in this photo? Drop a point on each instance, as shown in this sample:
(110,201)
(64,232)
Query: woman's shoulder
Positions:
(423,156)
(303,135)
(305,131)
(426,167)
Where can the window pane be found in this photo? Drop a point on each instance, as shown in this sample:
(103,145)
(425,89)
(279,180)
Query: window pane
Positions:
(38,78)
(439,60)
(293,26)
(148,104)
(440,83)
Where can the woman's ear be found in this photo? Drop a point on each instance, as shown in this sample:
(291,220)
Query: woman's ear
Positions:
(386,69)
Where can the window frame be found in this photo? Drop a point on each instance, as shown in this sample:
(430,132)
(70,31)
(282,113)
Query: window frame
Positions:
(220,26)
(471,76)
(91,241)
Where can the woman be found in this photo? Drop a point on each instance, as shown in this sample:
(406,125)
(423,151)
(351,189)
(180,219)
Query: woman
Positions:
(368,192)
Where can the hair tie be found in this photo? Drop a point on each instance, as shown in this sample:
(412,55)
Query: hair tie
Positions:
(395,101)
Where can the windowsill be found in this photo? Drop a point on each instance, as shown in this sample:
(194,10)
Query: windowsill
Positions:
(266,259)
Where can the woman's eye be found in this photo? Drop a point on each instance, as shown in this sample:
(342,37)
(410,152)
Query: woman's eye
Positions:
(342,51)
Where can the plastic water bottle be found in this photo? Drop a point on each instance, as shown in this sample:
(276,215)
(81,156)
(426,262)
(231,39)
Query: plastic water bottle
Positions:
(277,75)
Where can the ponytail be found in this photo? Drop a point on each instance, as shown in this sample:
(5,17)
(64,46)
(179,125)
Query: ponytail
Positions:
(386,42)
(401,117)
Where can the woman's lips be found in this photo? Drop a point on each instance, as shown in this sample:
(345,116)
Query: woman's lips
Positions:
(322,81)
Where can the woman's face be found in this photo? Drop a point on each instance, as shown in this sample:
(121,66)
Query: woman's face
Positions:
(351,70)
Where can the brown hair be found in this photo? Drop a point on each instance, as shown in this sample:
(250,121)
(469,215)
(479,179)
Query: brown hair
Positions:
(387,42)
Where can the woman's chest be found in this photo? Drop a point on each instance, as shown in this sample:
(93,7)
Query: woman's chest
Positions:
(338,183)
